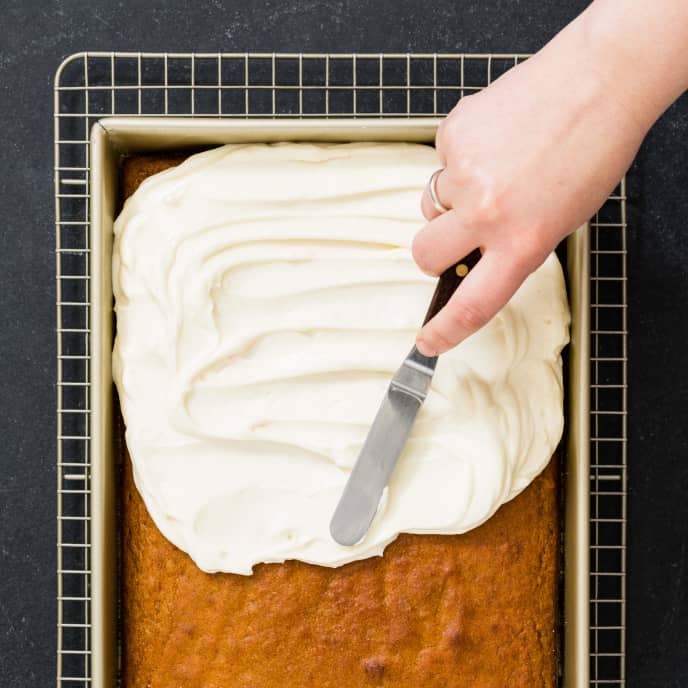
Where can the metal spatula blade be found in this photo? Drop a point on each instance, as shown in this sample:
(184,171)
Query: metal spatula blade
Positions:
(381,449)
(392,426)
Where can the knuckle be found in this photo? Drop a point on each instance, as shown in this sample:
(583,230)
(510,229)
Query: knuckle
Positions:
(424,203)
(441,134)
(462,104)
(531,250)
(421,253)
(521,262)
(468,316)
(449,131)
(490,200)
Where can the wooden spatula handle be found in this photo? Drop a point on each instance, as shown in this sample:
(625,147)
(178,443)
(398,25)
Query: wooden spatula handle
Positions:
(449,281)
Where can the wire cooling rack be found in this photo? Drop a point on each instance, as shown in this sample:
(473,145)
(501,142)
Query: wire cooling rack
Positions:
(89,86)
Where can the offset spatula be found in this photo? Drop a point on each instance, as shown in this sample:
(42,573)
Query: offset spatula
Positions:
(392,425)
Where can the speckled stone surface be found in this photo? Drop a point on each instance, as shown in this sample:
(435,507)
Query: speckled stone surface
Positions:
(36,36)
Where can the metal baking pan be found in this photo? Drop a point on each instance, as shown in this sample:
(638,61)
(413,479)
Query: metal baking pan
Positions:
(113,137)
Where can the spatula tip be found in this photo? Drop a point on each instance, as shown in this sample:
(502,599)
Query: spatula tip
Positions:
(345,533)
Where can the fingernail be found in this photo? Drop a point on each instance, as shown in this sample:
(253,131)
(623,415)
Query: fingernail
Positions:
(425,348)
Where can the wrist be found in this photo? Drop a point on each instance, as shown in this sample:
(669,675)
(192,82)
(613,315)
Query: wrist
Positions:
(577,69)
(643,64)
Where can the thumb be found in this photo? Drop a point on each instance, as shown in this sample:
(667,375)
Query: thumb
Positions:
(481,295)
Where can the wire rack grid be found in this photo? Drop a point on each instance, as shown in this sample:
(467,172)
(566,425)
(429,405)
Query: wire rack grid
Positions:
(91,85)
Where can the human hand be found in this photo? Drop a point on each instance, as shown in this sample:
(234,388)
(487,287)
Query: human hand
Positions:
(527,161)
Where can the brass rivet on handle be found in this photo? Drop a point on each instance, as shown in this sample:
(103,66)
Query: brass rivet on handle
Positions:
(461,270)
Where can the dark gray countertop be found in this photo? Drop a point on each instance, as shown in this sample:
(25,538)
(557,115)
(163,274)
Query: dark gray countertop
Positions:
(36,36)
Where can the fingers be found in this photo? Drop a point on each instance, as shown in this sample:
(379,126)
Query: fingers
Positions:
(427,208)
(444,190)
(441,139)
(483,293)
(442,242)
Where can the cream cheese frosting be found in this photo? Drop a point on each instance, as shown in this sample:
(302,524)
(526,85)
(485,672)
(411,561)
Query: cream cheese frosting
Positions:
(265,295)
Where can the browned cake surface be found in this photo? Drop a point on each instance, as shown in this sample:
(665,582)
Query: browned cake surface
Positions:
(466,611)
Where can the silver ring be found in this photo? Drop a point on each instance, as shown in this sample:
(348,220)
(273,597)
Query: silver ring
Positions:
(432,192)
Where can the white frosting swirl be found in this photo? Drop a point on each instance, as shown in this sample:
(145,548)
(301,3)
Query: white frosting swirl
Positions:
(265,295)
